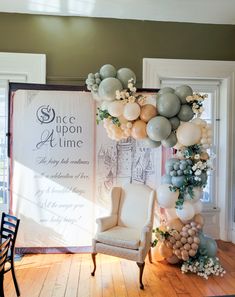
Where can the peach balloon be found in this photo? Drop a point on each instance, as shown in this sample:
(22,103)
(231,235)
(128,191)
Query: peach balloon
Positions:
(175,224)
(147,112)
(156,254)
(173,259)
(198,218)
(138,130)
(165,251)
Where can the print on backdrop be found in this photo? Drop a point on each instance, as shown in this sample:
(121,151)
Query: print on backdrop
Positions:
(125,161)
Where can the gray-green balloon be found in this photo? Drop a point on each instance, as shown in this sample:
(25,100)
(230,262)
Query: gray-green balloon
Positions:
(170,141)
(175,122)
(147,142)
(168,105)
(166,90)
(108,87)
(211,247)
(166,179)
(182,92)
(108,70)
(158,128)
(203,177)
(185,114)
(124,75)
(178,181)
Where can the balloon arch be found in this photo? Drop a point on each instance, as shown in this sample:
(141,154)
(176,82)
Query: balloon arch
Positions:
(171,118)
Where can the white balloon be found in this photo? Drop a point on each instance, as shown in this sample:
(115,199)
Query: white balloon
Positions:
(104,105)
(187,212)
(131,111)
(197,194)
(197,207)
(188,134)
(171,213)
(115,108)
(165,197)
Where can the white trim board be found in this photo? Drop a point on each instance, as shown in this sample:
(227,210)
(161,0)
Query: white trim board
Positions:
(156,70)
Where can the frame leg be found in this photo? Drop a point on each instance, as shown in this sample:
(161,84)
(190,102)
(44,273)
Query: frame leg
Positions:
(93,255)
(141,267)
(15,280)
(150,255)
(1,286)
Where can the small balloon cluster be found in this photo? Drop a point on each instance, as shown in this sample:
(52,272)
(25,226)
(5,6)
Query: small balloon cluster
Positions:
(152,119)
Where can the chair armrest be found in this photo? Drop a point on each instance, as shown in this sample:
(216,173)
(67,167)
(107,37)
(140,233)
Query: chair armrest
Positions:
(146,234)
(106,223)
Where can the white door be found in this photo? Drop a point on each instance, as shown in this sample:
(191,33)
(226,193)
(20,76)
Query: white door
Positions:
(14,67)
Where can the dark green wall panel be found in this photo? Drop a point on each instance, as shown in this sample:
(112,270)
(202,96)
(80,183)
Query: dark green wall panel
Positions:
(76,46)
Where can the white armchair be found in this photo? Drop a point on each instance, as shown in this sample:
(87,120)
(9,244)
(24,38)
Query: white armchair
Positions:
(127,231)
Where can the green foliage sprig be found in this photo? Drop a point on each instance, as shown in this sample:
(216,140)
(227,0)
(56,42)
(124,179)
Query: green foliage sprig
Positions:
(160,235)
(104,114)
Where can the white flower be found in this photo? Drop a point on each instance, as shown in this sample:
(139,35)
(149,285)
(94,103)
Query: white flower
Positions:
(197,156)
(198,172)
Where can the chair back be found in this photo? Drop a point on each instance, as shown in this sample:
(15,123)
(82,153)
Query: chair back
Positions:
(9,226)
(4,247)
(136,206)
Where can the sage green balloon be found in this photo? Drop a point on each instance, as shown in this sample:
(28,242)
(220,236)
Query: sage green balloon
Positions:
(175,122)
(124,75)
(182,92)
(108,87)
(211,247)
(166,90)
(202,240)
(168,105)
(203,178)
(108,70)
(158,128)
(178,181)
(149,143)
(185,114)
(170,141)
(166,179)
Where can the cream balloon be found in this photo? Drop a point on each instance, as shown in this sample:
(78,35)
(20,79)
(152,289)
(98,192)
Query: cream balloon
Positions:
(165,197)
(197,206)
(171,213)
(115,108)
(197,194)
(131,111)
(188,134)
(186,212)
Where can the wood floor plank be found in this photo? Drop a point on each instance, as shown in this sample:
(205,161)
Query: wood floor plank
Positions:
(69,276)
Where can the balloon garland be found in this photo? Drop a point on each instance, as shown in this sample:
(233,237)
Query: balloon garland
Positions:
(170,118)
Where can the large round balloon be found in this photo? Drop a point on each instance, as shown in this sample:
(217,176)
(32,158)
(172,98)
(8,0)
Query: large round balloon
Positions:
(108,87)
(182,92)
(175,224)
(170,141)
(138,130)
(186,212)
(165,197)
(166,90)
(178,181)
(147,142)
(166,179)
(168,105)
(173,259)
(108,70)
(147,112)
(115,108)
(211,247)
(185,114)
(188,134)
(197,207)
(158,128)
(197,194)
(131,111)
(124,75)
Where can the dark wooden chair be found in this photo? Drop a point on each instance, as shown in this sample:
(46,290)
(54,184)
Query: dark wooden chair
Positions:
(4,248)
(9,226)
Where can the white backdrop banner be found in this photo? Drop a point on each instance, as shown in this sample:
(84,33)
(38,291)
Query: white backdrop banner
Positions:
(64,166)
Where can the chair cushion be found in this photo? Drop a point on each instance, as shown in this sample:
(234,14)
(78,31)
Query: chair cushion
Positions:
(120,236)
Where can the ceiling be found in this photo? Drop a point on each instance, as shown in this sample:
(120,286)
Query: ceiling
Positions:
(193,11)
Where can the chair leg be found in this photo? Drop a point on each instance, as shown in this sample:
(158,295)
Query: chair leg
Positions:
(93,255)
(1,286)
(150,255)
(141,267)
(15,280)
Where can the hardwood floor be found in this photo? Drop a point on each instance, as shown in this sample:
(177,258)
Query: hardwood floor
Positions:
(68,275)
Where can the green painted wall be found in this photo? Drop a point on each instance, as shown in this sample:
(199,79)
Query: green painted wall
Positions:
(75,46)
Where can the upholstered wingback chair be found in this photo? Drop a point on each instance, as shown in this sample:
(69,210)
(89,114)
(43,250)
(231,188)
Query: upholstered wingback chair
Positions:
(127,231)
